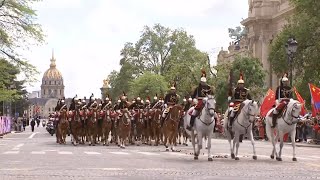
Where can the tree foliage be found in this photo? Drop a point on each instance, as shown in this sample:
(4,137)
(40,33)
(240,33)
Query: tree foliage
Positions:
(148,84)
(18,31)
(253,76)
(169,53)
(304,25)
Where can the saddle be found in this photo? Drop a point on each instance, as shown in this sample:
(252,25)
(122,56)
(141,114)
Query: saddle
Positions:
(281,111)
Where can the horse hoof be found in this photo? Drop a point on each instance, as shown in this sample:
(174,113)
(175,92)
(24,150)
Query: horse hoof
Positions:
(279,159)
(232,156)
(236,158)
(294,159)
(180,143)
(196,158)
(103,144)
(138,144)
(254,157)
(186,144)
(107,144)
(210,159)
(167,150)
(93,145)
(272,156)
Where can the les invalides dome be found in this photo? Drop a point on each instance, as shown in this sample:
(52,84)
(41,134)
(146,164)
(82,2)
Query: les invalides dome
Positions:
(52,82)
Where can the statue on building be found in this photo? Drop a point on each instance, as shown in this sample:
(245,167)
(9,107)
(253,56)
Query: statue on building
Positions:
(106,83)
(237,33)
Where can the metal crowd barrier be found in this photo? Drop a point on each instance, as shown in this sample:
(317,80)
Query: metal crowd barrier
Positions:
(5,125)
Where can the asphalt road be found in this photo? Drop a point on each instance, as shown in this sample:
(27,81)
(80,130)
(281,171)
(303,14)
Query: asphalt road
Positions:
(36,156)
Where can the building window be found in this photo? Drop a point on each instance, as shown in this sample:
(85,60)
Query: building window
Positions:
(49,109)
(44,92)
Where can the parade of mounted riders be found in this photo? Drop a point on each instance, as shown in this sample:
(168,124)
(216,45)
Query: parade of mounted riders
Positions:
(165,121)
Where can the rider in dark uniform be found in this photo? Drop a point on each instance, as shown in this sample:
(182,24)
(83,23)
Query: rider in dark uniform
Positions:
(170,100)
(63,105)
(73,104)
(155,100)
(200,92)
(283,96)
(238,95)
(124,102)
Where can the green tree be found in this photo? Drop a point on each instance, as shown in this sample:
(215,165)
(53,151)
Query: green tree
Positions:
(162,51)
(148,84)
(18,31)
(253,76)
(304,26)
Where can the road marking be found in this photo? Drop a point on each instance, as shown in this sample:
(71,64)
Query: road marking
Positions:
(50,150)
(38,152)
(17,147)
(104,169)
(32,135)
(176,154)
(11,152)
(122,153)
(151,169)
(148,153)
(92,153)
(13,169)
(64,152)
(3,144)
(314,157)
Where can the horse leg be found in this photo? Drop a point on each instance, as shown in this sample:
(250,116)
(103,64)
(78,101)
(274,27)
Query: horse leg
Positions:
(199,145)
(281,145)
(253,145)
(293,137)
(236,144)
(193,140)
(209,146)
(270,134)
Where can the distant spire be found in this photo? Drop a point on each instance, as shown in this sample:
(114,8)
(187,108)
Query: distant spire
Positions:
(53,60)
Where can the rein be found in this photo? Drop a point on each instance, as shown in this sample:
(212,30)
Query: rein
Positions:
(207,112)
(247,116)
(292,116)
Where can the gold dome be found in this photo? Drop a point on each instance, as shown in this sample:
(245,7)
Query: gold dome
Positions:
(52,72)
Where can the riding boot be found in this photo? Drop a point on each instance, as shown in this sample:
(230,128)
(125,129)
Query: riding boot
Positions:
(274,120)
(192,119)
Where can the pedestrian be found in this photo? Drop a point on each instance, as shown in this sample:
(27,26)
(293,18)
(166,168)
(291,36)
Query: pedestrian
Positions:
(33,123)
(24,122)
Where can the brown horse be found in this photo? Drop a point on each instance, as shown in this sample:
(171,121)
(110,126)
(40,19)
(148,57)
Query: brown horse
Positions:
(156,126)
(63,127)
(106,127)
(124,128)
(170,127)
(147,134)
(92,127)
(82,130)
(139,130)
(75,123)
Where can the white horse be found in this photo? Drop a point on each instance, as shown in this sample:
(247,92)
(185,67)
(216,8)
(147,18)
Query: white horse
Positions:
(242,125)
(285,124)
(203,126)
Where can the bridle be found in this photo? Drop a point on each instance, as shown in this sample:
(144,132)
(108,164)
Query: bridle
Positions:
(294,105)
(247,115)
(208,112)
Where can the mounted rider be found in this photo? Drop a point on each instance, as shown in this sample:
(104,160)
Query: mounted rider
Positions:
(107,104)
(124,102)
(237,96)
(199,93)
(155,100)
(92,102)
(73,103)
(116,107)
(63,105)
(147,105)
(283,96)
(170,100)
(158,104)
(136,106)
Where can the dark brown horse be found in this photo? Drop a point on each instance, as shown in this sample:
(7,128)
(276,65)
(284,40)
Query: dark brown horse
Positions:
(124,128)
(156,126)
(106,126)
(92,126)
(75,123)
(63,127)
(170,127)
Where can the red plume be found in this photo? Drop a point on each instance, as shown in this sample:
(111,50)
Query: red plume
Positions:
(203,71)
(241,76)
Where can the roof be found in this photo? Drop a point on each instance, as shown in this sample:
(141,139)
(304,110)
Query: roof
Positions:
(52,73)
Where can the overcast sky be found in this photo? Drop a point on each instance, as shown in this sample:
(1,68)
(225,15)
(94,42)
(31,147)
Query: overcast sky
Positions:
(87,35)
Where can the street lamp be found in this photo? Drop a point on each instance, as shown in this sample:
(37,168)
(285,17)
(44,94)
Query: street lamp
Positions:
(291,49)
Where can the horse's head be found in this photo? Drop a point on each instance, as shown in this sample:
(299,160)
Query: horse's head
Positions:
(251,109)
(294,108)
(175,112)
(210,104)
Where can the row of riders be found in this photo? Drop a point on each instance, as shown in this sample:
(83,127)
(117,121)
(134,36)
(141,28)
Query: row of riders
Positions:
(136,121)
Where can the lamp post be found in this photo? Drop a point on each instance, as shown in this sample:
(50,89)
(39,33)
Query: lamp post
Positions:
(291,49)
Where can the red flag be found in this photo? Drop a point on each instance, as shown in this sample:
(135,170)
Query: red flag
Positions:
(301,100)
(267,103)
(315,101)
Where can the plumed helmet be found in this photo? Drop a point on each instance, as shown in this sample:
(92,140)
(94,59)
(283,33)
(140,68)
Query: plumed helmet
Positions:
(173,86)
(203,75)
(155,97)
(119,100)
(285,77)
(107,97)
(241,81)
(76,98)
(190,99)
(138,98)
(184,99)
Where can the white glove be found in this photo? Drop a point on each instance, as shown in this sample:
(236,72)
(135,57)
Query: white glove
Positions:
(229,98)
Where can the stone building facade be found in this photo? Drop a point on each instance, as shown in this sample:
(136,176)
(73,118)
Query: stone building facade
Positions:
(266,18)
